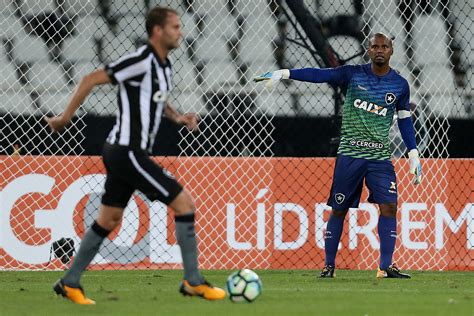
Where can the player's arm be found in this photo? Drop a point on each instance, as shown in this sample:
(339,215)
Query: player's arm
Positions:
(336,76)
(407,130)
(190,120)
(82,90)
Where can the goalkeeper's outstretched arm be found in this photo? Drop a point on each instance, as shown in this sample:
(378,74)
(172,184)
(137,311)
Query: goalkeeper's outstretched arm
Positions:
(335,76)
(82,90)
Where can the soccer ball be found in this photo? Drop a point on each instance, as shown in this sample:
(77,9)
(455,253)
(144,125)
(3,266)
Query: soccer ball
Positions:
(244,285)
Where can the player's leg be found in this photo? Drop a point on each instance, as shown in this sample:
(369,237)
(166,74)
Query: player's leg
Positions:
(193,283)
(114,200)
(382,184)
(345,193)
(159,184)
(69,286)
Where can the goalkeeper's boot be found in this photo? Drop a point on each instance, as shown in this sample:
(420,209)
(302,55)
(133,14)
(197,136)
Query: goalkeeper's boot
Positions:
(392,272)
(204,290)
(328,272)
(75,294)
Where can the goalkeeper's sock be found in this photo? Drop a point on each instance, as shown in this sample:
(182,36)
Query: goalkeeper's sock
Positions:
(332,238)
(89,247)
(387,229)
(186,237)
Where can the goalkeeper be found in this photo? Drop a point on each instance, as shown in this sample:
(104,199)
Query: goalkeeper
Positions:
(374,92)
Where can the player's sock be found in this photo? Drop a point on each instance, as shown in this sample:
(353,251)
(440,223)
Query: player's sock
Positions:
(186,237)
(332,238)
(387,229)
(89,247)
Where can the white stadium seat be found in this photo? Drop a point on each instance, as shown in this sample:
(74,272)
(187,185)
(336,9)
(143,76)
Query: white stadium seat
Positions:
(8,77)
(80,48)
(212,48)
(30,48)
(47,76)
(16,103)
(428,51)
(217,74)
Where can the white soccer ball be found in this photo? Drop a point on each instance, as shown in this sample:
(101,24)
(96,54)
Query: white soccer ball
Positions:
(244,286)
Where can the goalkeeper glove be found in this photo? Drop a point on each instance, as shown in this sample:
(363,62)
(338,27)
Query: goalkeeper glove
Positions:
(415,165)
(272,77)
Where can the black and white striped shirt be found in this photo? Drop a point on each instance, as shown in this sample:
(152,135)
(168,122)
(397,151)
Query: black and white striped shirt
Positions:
(144,86)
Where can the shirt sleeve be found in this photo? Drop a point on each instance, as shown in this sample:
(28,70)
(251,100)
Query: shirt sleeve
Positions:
(129,66)
(339,76)
(403,103)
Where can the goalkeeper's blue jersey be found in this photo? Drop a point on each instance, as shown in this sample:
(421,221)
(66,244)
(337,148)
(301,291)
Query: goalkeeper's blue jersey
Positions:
(368,110)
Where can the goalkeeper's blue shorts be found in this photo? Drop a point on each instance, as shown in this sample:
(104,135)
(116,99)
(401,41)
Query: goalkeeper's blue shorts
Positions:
(348,179)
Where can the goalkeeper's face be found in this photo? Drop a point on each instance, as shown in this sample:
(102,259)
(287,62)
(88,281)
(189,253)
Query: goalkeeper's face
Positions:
(380,50)
(170,34)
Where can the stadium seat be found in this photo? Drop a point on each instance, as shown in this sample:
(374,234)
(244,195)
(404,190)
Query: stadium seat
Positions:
(212,48)
(256,48)
(37,6)
(261,25)
(10,26)
(275,104)
(8,77)
(210,7)
(81,7)
(91,25)
(217,74)
(17,103)
(47,76)
(80,48)
(30,48)
(83,68)
(54,102)
(436,80)
(188,25)
(259,7)
(428,51)
(223,22)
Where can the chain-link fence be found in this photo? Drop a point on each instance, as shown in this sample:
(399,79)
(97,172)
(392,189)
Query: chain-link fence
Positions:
(254,210)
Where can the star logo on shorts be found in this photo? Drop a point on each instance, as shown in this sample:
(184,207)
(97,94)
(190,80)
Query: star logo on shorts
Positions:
(393,187)
(339,198)
(390,98)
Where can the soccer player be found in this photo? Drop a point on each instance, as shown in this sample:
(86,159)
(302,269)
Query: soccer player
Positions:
(374,92)
(144,83)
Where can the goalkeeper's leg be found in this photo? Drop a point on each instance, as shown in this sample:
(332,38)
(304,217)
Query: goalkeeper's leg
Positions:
(345,193)
(331,242)
(387,230)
